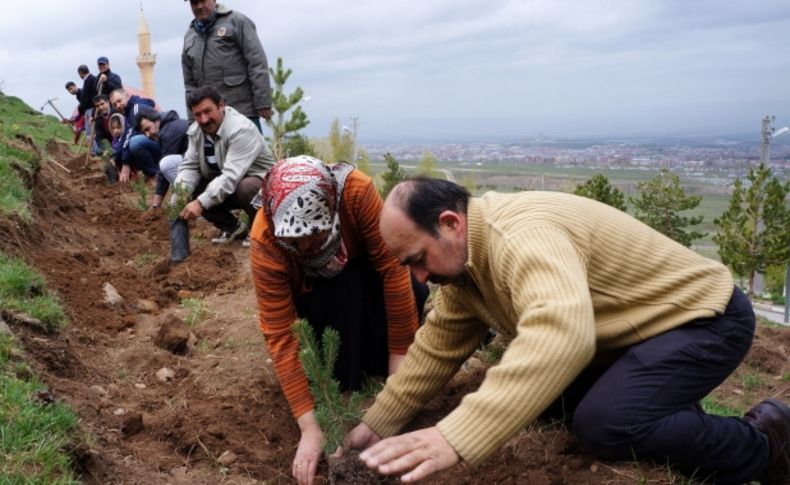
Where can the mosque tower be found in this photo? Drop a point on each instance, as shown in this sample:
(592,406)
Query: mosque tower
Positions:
(145,60)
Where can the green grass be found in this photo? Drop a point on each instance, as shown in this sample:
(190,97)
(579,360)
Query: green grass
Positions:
(18,122)
(23,290)
(32,435)
(195,310)
(712,406)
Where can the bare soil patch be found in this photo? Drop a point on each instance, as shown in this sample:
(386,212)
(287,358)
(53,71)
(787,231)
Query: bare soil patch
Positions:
(218,416)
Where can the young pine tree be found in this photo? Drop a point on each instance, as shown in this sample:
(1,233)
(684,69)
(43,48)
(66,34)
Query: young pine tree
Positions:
(598,188)
(392,176)
(333,413)
(282,103)
(754,231)
(342,143)
(660,204)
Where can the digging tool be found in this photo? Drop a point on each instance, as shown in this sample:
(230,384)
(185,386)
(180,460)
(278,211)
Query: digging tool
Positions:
(49,102)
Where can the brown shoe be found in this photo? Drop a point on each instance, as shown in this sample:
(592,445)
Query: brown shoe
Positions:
(772,418)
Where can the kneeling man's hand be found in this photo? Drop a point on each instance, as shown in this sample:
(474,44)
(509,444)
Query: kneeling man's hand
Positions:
(193,210)
(419,454)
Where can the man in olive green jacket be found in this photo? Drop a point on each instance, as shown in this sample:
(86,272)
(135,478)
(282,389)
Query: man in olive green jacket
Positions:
(628,327)
(222,49)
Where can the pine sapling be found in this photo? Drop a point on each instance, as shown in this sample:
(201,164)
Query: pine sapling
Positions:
(177,203)
(333,413)
(141,189)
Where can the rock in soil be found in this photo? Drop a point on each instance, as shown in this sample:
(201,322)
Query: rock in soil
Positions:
(228,458)
(165,374)
(111,295)
(173,335)
(147,306)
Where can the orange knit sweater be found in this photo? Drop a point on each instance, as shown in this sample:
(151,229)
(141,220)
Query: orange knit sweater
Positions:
(277,278)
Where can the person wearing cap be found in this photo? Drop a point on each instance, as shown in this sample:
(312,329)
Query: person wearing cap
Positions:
(222,48)
(107,81)
(317,254)
(622,327)
(169,132)
(223,166)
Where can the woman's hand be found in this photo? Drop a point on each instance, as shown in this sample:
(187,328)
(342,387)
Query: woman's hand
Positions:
(309,452)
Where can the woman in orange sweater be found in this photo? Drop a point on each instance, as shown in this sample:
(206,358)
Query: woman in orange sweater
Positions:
(317,254)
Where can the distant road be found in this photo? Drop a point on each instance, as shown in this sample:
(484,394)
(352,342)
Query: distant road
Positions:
(776,316)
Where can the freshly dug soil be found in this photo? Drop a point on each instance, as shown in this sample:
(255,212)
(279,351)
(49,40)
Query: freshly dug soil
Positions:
(222,394)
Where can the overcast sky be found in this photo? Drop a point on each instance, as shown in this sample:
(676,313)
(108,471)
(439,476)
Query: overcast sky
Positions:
(451,69)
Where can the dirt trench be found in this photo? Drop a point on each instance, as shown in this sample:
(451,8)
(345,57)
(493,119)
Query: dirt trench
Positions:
(220,417)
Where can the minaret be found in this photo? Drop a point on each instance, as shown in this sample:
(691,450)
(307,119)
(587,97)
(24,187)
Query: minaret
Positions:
(146,59)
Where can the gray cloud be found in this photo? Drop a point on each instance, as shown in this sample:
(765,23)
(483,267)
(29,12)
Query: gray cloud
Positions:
(453,69)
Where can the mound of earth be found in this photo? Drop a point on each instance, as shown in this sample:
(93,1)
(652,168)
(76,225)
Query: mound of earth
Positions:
(212,412)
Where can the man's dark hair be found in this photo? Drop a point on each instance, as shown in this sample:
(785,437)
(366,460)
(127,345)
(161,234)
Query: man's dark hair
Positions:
(146,114)
(100,97)
(201,93)
(69,84)
(425,198)
(83,69)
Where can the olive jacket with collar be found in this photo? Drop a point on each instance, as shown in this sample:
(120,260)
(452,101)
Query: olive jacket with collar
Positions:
(226,53)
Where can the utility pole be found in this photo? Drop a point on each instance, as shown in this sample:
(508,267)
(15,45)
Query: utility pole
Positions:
(768,133)
(354,126)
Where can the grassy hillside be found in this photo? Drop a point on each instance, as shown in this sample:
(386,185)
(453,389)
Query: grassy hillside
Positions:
(24,133)
(34,432)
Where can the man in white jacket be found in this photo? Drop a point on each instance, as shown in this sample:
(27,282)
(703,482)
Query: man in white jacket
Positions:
(224,164)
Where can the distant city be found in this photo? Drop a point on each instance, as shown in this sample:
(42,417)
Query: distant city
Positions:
(729,158)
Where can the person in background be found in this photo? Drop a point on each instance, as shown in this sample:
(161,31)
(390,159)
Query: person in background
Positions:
(107,81)
(77,121)
(626,327)
(137,152)
(222,49)
(169,132)
(317,254)
(223,166)
(87,93)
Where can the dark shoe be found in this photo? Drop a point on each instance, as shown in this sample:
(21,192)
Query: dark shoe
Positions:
(227,236)
(772,418)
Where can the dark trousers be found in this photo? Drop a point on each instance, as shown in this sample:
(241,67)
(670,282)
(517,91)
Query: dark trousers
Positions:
(220,215)
(144,155)
(353,304)
(644,404)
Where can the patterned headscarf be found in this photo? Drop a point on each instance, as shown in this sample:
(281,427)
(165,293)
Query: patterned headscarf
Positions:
(301,197)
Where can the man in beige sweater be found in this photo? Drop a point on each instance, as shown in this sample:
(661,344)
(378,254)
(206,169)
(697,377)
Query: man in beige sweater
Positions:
(622,324)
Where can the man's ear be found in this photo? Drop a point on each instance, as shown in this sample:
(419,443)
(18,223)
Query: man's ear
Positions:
(450,219)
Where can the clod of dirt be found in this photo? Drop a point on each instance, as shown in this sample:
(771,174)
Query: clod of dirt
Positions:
(173,335)
(147,306)
(349,469)
(132,424)
(44,398)
(162,267)
(111,295)
(165,374)
(228,458)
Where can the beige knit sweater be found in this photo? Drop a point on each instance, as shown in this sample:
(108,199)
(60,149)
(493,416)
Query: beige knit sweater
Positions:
(567,279)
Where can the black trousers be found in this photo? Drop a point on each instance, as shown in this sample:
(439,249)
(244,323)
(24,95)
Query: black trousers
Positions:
(644,404)
(353,304)
(220,215)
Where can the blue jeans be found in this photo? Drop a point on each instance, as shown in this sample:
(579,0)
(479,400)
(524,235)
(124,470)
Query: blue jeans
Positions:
(144,155)
(643,405)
